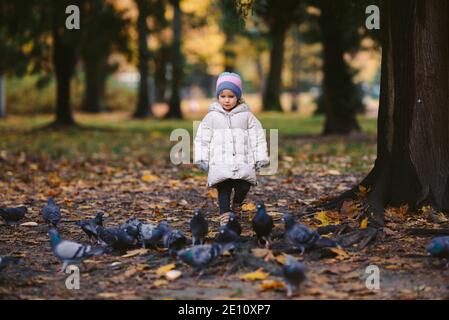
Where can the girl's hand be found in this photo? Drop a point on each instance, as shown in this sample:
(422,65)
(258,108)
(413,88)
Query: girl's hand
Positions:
(259,165)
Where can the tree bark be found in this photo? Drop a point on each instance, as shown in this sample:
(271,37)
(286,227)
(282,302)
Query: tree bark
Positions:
(272,93)
(412,165)
(175,99)
(144,102)
(2,95)
(94,96)
(340,98)
(64,60)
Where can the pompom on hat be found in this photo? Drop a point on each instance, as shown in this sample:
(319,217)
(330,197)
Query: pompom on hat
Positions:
(231,81)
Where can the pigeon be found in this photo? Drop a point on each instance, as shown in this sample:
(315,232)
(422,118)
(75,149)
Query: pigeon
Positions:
(301,237)
(149,234)
(200,256)
(115,238)
(174,240)
(51,213)
(439,248)
(132,227)
(13,215)
(90,226)
(7,261)
(294,274)
(233,224)
(199,227)
(226,235)
(262,224)
(70,252)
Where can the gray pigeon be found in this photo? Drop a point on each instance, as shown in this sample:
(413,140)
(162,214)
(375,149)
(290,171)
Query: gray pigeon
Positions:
(51,213)
(301,237)
(262,224)
(7,261)
(13,215)
(199,227)
(199,257)
(233,224)
(294,274)
(89,226)
(115,238)
(149,234)
(226,235)
(439,248)
(132,227)
(174,240)
(70,252)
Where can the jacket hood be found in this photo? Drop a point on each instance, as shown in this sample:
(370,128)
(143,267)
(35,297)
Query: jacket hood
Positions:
(237,109)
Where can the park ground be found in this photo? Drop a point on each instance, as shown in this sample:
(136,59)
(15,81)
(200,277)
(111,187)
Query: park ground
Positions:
(122,167)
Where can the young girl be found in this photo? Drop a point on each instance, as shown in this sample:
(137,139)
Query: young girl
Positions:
(230,144)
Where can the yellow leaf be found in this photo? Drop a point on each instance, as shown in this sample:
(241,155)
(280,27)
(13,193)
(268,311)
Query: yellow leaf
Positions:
(161,271)
(322,217)
(248,207)
(29,224)
(281,259)
(340,252)
(271,285)
(136,252)
(256,275)
(160,283)
(334,172)
(364,223)
(149,177)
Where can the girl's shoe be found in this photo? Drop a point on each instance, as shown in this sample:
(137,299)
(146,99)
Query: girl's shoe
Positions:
(224,218)
(237,209)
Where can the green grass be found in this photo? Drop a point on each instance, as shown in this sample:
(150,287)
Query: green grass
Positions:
(115,136)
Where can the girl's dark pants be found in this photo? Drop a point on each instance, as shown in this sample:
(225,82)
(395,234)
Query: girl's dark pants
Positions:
(241,188)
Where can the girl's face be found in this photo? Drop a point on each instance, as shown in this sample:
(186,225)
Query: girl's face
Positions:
(227,99)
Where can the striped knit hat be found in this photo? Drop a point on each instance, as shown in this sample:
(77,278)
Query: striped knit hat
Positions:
(230,81)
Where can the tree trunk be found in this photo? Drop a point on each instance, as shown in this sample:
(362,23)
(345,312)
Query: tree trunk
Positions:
(64,60)
(95,72)
(143,108)
(272,93)
(341,99)
(229,54)
(2,96)
(412,165)
(161,60)
(295,70)
(175,99)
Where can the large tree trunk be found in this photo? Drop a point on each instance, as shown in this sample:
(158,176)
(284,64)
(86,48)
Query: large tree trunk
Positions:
(161,60)
(272,93)
(143,108)
(94,94)
(2,96)
(341,100)
(412,165)
(175,99)
(64,60)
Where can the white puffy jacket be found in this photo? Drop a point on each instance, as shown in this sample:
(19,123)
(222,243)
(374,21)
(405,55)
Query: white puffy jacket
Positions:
(231,143)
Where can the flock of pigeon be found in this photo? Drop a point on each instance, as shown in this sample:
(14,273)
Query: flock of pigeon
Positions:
(135,232)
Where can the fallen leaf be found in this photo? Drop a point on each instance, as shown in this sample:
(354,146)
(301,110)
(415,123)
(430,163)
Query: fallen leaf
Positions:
(29,224)
(161,271)
(327,217)
(256,275)
(281,259)
(363,191)
(108,295)
(212,193)
(137,252)
(173,275)
(271,285)
(149,178)
(341,254)
(160,283)
(248,207)
(364,223)
(333,172)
